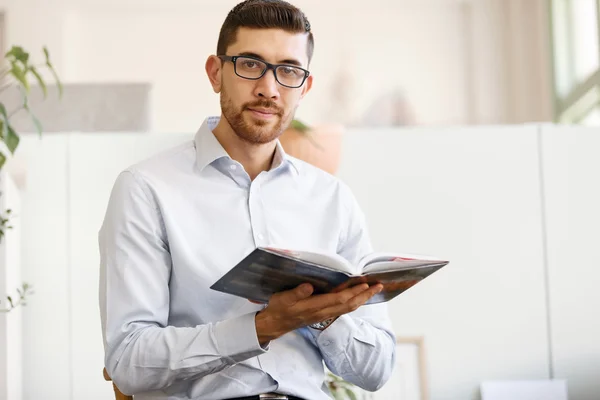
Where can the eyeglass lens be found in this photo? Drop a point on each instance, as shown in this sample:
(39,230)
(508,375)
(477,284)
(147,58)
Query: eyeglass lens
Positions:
(254,69)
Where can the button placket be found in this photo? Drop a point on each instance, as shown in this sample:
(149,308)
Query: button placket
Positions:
(257,216)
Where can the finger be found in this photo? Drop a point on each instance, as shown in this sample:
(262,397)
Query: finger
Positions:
(364,296)
(322,301)
(291,297)
(346,294)
(372,291)
(350,283)
(351,304)
(341,287)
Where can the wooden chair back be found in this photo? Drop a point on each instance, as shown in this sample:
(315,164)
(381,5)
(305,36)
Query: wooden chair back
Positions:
(118,394)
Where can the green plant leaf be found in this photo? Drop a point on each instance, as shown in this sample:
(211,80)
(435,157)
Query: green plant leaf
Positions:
(10,301)
(12,139)
(305,129)
(34,119)
(36,123)
(58,83)
(3,122)
(19,73)
(18,54)
(298,125)
(3,112)
(350,394)
(37,75)
(54,74)
(2,160)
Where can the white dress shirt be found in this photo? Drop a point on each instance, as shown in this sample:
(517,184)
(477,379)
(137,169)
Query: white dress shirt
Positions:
(175,223)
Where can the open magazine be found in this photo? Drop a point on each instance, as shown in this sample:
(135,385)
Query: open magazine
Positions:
(268,270)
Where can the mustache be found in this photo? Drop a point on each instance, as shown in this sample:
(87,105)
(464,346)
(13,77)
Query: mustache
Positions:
(266,104)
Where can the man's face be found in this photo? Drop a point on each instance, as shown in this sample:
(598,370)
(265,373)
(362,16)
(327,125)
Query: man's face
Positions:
(260,110)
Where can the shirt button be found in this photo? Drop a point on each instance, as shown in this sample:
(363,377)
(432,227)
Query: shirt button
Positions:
(261,236)
(326,343)
(233,167)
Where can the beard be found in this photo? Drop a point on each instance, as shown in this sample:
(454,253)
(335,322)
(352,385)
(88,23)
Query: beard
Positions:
(250,130)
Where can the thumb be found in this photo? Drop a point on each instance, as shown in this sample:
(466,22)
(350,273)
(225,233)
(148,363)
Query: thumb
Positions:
(291,297)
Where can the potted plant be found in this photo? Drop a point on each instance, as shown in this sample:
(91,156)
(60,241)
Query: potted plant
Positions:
(16,74)
(339,388)
(319,145)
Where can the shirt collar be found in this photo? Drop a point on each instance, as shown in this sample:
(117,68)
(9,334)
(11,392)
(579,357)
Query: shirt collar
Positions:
(208,148)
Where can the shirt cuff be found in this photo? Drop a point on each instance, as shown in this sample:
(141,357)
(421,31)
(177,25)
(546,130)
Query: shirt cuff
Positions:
(336,337)
(236,338)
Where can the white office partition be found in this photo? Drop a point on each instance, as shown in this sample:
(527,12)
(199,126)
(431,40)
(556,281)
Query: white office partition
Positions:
(547,389)
(11,369)
(47,370)
(95,162)
(68,180)
(572,195)
(471,196)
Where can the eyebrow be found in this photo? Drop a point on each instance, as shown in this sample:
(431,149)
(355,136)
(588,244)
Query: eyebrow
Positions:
(290,61)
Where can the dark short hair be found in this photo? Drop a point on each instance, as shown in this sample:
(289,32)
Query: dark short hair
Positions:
(264,14)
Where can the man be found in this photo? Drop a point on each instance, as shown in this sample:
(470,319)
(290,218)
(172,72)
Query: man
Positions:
(178,221)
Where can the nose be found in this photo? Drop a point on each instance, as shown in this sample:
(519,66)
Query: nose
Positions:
(267,86)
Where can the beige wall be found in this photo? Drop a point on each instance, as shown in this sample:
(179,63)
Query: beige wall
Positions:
(510,61)
(456,62)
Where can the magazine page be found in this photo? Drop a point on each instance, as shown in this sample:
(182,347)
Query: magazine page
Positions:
(399,265)
(382,261)
(330,260)
(375,257)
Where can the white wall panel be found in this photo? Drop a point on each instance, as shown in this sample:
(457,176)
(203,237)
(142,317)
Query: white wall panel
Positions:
(571,180)
(47,367)
(95,162)
(471,196)
(11,334)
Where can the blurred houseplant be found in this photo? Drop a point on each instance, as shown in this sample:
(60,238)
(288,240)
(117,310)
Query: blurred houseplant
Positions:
(16,75)
(339,388)
(319,145)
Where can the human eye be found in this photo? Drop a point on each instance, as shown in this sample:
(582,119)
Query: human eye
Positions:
(290,71)
(250,64)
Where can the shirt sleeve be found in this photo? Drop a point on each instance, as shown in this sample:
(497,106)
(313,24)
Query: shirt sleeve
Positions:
(142,352)
(359,346)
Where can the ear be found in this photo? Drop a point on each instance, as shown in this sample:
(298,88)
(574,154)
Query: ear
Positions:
(307,86)
(214,71)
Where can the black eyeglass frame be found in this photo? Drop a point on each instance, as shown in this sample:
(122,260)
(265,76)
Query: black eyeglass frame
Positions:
(272,67)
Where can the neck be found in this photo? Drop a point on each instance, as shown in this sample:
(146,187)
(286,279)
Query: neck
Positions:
(255,158)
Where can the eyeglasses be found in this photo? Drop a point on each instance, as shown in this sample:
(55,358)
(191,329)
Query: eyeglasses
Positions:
(253,68)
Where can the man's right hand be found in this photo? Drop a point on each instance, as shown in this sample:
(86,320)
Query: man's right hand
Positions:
(296,308)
